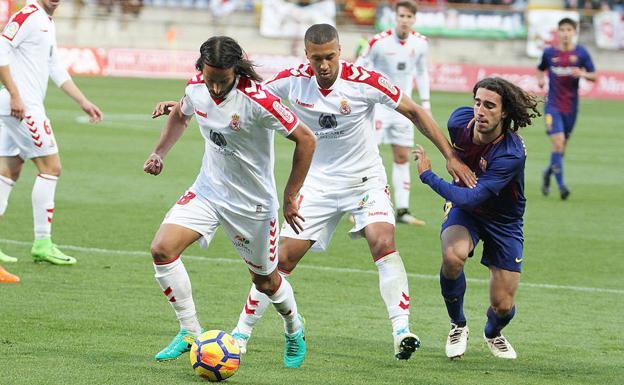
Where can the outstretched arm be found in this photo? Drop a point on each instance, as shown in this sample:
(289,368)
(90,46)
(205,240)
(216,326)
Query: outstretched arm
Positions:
(428,127)
(174,128)
(460,196)
(305,144)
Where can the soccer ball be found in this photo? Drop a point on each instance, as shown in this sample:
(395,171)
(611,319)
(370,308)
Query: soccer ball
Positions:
(215,355)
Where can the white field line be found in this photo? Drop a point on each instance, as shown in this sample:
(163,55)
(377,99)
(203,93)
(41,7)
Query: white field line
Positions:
(330,269)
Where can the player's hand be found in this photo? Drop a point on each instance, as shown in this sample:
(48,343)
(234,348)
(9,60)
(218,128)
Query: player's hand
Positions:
(94,113)
(541,83)
(578,72)
(459,171)
(291,213)
(163,108)
(153,165)
(18,109)
(421,159)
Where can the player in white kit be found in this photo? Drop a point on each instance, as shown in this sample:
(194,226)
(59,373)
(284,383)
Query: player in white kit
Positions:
(235,187)
(400,54)
(28,57)
(336,100)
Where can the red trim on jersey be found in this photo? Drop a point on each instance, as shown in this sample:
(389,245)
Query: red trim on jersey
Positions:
(20,17)
(167,261)
(353,73)
(268,101)
(197,79)
(304,70)
(202,114)
(383,256)
(379,36)
(324,91)
(418,35)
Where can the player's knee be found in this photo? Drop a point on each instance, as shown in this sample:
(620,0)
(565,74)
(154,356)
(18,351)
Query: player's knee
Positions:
(160,252)
(382,246)
(453,259)
(266,285)
(503,307)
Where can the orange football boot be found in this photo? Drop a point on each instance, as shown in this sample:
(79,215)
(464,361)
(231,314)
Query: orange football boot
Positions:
(6,277)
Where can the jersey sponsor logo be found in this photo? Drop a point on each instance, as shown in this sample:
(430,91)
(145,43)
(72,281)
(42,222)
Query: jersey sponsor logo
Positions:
(283,112)
(385,83)
(235,123)
(378,213)
(345,108)
(447,209)
(562,71)
(299,102)
(366,202)
(11,30)
(241,243)
(483,164)
(328,121)
(218,138)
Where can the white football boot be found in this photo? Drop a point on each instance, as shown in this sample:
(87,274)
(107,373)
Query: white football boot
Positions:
(500,347)
(457,341)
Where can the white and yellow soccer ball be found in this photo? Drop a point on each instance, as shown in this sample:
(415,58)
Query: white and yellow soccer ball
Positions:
(215,355)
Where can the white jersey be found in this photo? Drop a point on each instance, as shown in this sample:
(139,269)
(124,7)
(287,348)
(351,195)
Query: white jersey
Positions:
(341,117)
(28,47)
(237,168)
(400,60)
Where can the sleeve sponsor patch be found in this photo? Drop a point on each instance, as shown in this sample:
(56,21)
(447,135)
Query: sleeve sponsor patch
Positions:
(11,30)
(385,83)
(283,112)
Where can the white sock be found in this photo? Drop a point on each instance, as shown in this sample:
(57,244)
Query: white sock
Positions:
(176,285)
(401,183)
(394,289)
(284,302)
(43,204)
(253,310)
(6,185)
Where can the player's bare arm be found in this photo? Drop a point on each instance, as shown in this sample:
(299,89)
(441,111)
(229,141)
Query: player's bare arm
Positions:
(174,128)
(163,108)
(429,128)
(18,108)
(541,79)
(305,143)
(93,111)
(582,73)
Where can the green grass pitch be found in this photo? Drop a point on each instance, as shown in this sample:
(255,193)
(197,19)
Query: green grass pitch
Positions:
(101,321)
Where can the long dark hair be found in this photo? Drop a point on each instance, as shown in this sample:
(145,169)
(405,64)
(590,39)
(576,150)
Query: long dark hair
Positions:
(224,52)
(519,106)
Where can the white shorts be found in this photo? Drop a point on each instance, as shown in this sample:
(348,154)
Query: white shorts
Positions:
(30,138)
(393,128)
(256,240)
(322,210)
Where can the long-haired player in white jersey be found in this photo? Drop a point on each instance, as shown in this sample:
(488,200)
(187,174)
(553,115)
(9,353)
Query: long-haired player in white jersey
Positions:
(28,58)
(336,100)
(401,54)
(235,187)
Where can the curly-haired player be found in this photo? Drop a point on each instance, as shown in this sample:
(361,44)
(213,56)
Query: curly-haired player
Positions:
(485,137)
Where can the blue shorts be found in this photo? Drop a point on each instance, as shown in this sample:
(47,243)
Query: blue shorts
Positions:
(502,243)
(559,122)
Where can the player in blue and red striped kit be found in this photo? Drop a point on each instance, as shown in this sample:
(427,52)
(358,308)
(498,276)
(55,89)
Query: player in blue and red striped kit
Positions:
(485,138)
(566,64)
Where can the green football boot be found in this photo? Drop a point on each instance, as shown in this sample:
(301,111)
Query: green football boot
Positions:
(296,348)
(180,344)
(6,258)
(44,250)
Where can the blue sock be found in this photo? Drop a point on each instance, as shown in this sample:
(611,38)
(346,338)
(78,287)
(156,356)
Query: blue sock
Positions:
(453,292)
(556,165)
(495,324)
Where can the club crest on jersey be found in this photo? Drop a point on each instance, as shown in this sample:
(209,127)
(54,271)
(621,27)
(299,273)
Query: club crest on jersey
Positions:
(10,30)
(283,112)
(483,164)
(385,83)
(235,122)
(345,108)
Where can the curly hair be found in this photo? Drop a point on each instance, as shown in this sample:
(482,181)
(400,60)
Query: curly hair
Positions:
(224,52)
(519,106)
